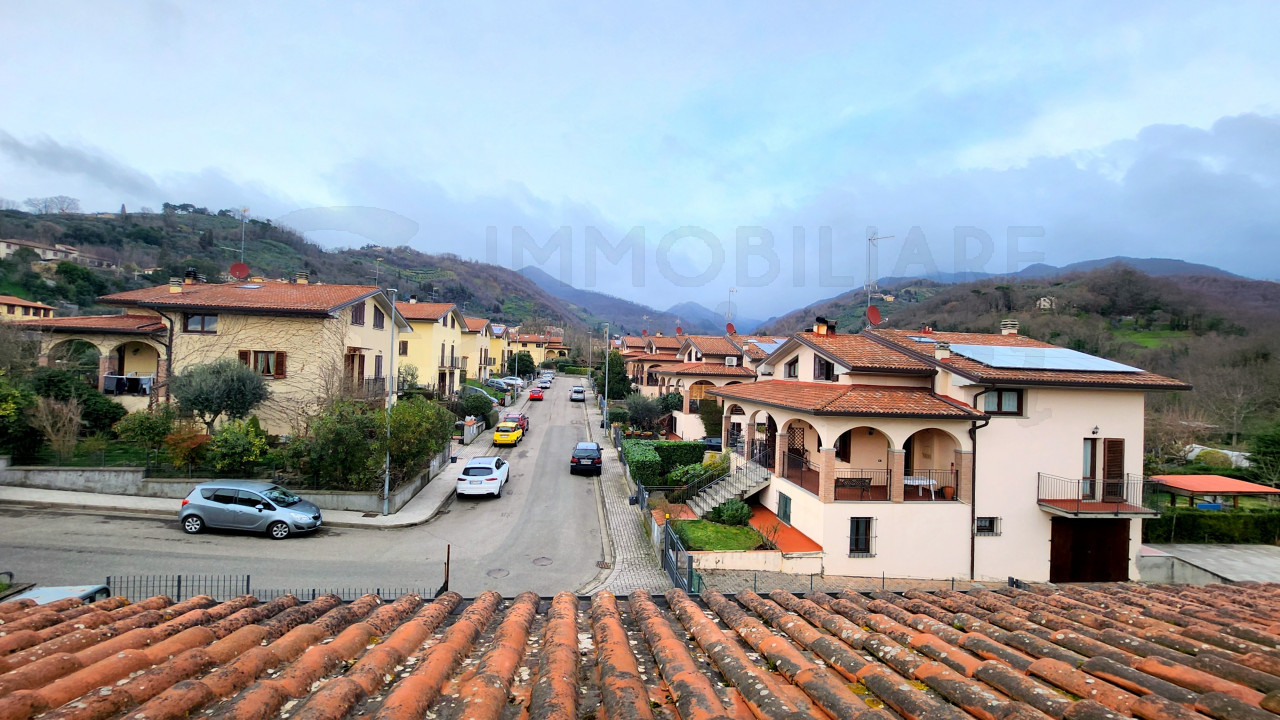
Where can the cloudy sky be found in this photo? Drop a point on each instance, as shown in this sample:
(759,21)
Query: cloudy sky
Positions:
(747,145)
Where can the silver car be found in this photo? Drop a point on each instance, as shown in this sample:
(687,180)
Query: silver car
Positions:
(577,394)
(247,505)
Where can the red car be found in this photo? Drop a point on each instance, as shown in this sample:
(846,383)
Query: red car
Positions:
(535,394)
(518,418)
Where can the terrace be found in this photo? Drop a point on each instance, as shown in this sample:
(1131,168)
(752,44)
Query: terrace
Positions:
(1088,497)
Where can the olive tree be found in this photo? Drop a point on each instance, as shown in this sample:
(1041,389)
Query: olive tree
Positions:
(225,387)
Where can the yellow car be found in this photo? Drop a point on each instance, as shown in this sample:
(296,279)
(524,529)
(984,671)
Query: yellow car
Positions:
(507,433)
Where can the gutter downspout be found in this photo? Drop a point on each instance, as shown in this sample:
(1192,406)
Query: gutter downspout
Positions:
(974,427)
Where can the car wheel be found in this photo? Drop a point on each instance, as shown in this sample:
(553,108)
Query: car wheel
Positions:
(499,493)
(278,530)
(192,524)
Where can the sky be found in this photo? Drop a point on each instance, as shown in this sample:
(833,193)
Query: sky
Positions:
(672,151)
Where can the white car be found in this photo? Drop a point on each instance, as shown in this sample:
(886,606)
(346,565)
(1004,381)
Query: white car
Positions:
(484,476)
(514,381)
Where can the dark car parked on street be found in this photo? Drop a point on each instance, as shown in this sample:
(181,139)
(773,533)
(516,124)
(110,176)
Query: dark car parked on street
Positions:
(587,457)
(247,505)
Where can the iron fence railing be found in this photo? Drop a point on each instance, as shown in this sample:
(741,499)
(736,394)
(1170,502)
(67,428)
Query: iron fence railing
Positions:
(931,484)
(797,468)
(225,587)
(1103,496)
(862,483)
(678,562)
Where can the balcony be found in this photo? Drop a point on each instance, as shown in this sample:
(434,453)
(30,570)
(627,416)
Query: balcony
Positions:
(853,484)
(930,484)
(366,388)
(454,363)
(650,379)
(1112,497)
(798,469)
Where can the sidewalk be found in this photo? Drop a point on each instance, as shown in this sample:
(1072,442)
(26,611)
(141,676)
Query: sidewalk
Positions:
(424,506)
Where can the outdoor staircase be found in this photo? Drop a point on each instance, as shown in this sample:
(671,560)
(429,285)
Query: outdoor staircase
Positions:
(741,483)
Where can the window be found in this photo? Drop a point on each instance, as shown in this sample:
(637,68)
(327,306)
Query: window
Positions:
(1002,402)
(26,310)
(269,363)
(862,539)
(823,369)
(357,314)
(200,324)
(1089,469)
(784,508)
(404,348)
(792,369)
(989,526)
(377,366)
(379,318)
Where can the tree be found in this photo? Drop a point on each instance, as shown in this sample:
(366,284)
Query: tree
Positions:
(147,428)
(1264,455)
(671,401)
(238,446)
(619,381)
(7,204)
(477,405)
(64,204)
(59,421)
(642,410)
(712,417)
(97,411)
(420,430)
(18,438)
(521,364)
(225,387)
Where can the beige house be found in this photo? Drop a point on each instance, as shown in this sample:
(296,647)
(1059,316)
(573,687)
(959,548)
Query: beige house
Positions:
(55,253)
(311,342)
(476,337)
(936,455)
(436,347)
(645,358)
(15,308)
(499,350)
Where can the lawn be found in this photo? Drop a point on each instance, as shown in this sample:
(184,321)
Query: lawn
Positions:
(706,535)
(1149,338)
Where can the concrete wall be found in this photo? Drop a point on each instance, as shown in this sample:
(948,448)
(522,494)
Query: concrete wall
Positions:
(759,560)
(1170,569)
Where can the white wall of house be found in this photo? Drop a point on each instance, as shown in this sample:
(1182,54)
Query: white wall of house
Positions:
(913,539)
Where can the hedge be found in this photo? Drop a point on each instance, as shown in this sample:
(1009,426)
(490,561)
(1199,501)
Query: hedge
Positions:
(643,461)
(574,370)
(618,415)
(1254,527)
(675,453)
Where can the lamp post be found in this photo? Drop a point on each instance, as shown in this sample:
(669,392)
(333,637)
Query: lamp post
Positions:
(244,218)
(391,378)
(604,420)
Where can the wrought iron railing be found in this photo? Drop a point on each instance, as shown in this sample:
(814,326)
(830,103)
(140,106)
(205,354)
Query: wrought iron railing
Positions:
(1102,496)
(862,483)
(797,468)
(931,484)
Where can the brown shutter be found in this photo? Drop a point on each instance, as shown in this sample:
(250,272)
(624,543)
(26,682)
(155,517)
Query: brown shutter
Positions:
(844,446)
(1113,458)
(280,361)
(246,358)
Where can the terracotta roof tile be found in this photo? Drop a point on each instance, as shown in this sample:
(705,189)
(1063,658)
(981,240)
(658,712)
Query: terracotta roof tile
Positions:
(114,324)
(1070,652)
(859,351)
(475,325)
(713,344)
(423,311)
(267,295)
(839,399)
(632,341)
(705,368)
(11,300)
(666,342)
(652,357)
(1214,485)
(985,373)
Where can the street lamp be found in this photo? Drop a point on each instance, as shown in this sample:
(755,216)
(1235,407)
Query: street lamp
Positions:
(391,377)
(604,409)
(244,218)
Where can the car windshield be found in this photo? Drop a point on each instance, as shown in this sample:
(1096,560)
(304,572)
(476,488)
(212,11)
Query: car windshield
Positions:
(281,497)
(476,471)
(506,427)
(585,452)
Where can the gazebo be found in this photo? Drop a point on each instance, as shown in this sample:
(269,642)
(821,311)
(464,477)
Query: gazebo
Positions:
(1193,486)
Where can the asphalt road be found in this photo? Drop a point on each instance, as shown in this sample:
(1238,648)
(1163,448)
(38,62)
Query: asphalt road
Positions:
(543,534)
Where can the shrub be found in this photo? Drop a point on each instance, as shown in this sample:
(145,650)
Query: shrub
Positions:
(420,430)
(59,421)
(730,512)
(18,438)
(1187,525)
(712,417)
(573,370)
(675,453)
(186,446)
(671,402)
(643,410)
(477,405)
(618,415)
(238,446)
(146,428)
(643,461)
(1213,458)
(345,447)
(97,411)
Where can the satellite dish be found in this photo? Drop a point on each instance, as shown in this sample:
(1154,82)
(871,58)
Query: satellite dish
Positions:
(731,329)
(644,332)
(239,271)
(679,330)
(873,315)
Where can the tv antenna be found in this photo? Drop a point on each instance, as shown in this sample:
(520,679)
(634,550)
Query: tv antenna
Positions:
(871,287)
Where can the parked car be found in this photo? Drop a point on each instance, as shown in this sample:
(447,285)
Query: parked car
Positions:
(247,505)
(497,384)
(47,594)
(713,443)
(544,384)
(473,390)
(518,418)
(514,381)
(507,433)
(483,476)
(586,458)
(577,394)
(535,394)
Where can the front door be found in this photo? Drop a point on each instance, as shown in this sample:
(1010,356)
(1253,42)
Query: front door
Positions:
(1113,470)
(1089,550)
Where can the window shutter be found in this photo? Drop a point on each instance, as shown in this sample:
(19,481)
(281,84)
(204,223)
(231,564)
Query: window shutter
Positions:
(1113,458)
(280,369)
(817,368)
(246,358)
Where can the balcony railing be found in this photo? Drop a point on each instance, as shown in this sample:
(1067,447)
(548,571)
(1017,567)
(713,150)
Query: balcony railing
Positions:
(367,388)
(454,363)
(797,468)
(650,379)
(930,484)
(862,483)
(1110,496)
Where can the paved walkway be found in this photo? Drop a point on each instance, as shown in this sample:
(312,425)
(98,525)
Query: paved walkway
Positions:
(635,564)
(424,506)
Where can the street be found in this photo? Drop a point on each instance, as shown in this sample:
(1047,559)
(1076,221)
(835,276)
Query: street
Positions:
(543,534)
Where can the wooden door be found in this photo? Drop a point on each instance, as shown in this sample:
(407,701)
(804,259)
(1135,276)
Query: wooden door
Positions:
(1089,550)
(1113,470)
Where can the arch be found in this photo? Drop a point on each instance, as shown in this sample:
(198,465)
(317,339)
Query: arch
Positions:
(799,456)
(930,449)
(75,354)
(863,447)
(732,382)
(136,357)
(734,409)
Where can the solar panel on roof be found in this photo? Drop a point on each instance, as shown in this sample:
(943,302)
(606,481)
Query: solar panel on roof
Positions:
(921,339)
(1034,358)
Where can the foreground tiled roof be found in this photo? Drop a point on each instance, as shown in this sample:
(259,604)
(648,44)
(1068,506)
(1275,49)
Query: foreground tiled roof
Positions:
(423,311)
(113,324)
(985,373)
(705,368)
(1076,653)
(11,300)
(821,398)
(266,295)
(860,352)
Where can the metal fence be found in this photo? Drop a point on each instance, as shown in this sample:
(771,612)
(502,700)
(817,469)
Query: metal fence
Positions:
(678,563)
(226,587)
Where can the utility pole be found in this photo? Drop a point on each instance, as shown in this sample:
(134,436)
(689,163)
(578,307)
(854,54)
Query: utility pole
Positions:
(728,310)
(870,286)
(244,218)
(391,378)
(604,421)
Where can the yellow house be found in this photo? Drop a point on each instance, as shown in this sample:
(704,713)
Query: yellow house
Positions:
(499,349)
(436,346)
(15,308)
(312,342)
(535,345)
(476,338)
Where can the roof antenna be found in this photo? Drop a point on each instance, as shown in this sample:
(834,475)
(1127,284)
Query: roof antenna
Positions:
(870,287)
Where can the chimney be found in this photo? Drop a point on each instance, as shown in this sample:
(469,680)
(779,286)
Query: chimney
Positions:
(820,325)
(189,277)
(302,277)
(1008,326)
(175,285)
(942,351)
(257,279)
(413,299)
(200,278)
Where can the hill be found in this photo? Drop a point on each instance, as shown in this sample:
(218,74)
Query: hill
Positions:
(151,247)
(712,321)
(594,308)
